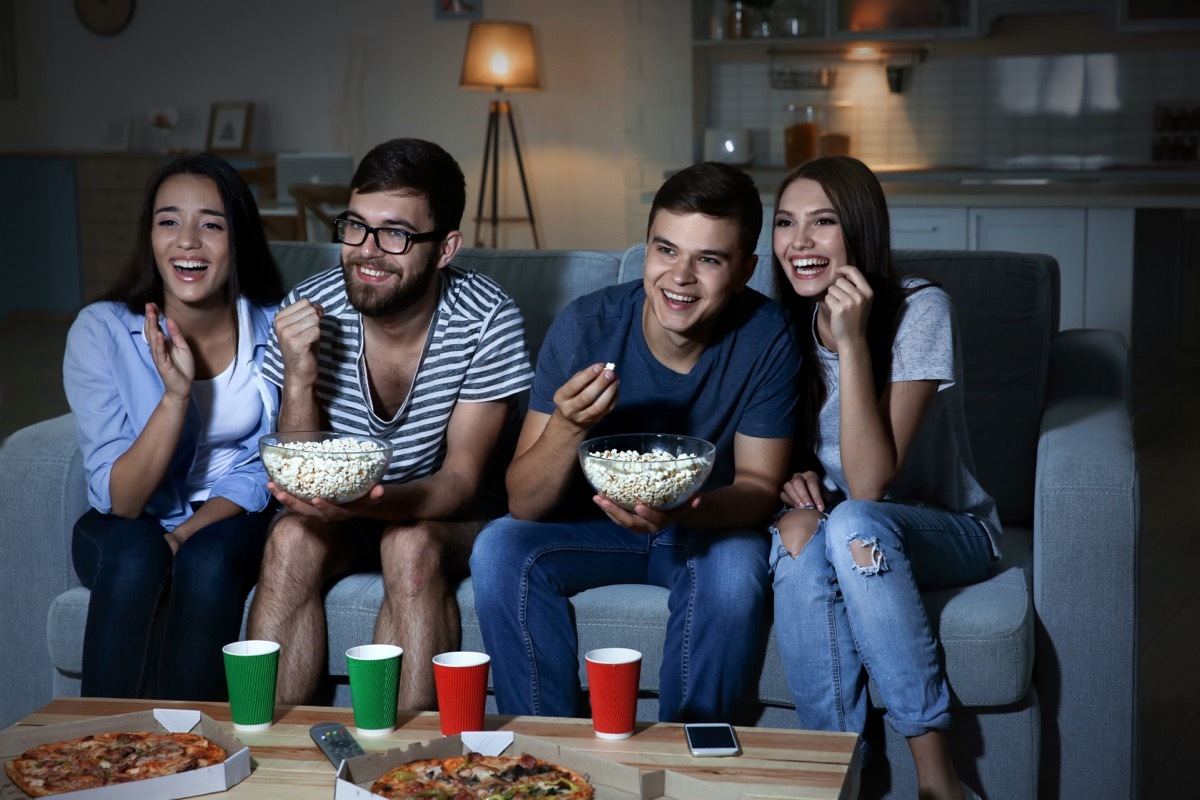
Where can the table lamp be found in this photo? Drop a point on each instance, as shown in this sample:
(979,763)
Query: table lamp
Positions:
(499,57)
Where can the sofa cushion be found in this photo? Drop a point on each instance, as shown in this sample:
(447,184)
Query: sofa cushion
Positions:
(542,282)
(300,260)
(1007,308)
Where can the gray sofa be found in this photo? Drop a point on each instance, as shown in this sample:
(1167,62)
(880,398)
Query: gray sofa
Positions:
(1041,657)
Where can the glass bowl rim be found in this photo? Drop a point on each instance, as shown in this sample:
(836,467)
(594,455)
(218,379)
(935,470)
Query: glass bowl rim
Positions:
(319,436)
(705,449)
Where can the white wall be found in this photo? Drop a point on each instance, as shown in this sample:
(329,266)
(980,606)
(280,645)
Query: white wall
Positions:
(345,76)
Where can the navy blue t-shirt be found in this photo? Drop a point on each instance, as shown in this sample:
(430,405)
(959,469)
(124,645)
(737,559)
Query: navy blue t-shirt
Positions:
(744,382)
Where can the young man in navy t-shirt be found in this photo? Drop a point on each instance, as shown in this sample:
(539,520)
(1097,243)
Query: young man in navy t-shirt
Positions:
(695,353)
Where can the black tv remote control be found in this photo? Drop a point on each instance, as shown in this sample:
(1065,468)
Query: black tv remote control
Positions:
(335,741)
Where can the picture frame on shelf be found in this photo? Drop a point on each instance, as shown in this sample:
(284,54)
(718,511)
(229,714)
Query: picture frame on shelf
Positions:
(229,127)
(457,9)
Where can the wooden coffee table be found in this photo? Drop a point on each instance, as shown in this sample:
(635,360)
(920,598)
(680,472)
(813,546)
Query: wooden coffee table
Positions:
(776,763)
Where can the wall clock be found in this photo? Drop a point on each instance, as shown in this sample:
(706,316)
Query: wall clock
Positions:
(104,17)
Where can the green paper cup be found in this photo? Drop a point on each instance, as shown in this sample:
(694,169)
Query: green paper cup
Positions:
(374,671)
(250,669)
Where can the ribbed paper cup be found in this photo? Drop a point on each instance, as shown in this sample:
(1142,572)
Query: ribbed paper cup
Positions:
(250,670)
(461,679)
(613,674)
(374,671)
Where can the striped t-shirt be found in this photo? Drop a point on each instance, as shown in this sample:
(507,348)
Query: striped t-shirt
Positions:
(475,353)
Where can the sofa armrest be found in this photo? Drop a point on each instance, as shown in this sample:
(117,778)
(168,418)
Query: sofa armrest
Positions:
(42,493)
(1090,362)
(1086,527)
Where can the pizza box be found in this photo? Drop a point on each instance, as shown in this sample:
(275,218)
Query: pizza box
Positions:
(611,781)
(216,778)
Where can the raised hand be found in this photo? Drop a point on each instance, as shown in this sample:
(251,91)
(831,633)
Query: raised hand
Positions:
(298,328)
(172,356)
(849,302)
(587,396)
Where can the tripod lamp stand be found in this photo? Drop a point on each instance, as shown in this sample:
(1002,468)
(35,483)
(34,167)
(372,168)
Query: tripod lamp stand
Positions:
(500,56)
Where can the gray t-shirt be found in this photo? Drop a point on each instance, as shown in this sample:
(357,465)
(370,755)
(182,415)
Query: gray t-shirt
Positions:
(938,469)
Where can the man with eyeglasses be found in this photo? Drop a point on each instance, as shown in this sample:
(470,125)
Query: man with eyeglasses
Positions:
(400,344)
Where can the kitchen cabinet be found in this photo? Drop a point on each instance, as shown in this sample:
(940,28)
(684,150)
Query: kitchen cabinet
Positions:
(1158,15)
(1093,247)
(989,10)
(929,228)
(904,19)
(1059,232)
(837,20)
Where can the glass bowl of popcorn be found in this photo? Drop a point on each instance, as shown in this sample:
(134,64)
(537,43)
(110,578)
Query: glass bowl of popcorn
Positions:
(338,467)
(659,469)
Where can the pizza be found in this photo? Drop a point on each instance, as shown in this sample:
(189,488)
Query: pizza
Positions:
(104,759)
(477,777)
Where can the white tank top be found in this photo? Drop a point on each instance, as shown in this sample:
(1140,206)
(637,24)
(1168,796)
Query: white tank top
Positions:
(230,409)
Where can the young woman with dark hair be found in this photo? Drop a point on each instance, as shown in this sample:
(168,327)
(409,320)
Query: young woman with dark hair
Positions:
(892,504)
(163,377)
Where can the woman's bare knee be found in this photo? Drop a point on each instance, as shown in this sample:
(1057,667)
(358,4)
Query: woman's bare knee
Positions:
(797,528)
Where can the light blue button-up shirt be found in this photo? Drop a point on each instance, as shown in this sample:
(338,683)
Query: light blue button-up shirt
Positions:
(113,387)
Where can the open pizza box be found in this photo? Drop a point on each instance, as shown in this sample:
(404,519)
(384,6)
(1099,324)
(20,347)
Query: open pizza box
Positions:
(611,781)
(216,778)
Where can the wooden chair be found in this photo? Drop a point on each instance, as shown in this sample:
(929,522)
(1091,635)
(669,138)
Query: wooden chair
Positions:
(312,198)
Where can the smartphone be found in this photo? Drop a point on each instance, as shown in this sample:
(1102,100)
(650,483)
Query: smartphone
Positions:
(711,739)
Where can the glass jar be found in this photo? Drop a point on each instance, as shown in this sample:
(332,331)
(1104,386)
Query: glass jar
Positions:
(800,136)
(718,20)
(793,18)
(737,22)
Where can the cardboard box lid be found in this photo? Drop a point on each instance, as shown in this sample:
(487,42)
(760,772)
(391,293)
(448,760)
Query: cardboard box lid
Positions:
(611,781)
(216,778)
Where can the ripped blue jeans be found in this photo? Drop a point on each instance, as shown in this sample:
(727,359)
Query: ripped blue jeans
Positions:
(837,621)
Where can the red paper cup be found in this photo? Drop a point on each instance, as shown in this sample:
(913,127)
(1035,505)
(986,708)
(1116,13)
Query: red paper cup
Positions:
(613,674)
(461,678)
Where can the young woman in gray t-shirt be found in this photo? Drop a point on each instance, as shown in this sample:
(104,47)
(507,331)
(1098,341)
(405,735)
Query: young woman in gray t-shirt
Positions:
(891,504)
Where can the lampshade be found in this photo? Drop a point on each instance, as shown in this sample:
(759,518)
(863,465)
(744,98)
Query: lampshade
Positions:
(500,56)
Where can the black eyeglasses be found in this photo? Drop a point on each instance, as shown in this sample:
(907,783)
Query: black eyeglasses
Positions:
(389,240)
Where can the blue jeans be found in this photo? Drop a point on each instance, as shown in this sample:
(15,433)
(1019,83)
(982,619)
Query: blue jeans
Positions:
(836,622)
(156,624)
(524,572)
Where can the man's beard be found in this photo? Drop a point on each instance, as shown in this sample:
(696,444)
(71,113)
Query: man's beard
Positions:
(373,300)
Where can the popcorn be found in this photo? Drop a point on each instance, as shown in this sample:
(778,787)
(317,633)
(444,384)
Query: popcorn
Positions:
(338,470)
(656,478)
(609,365)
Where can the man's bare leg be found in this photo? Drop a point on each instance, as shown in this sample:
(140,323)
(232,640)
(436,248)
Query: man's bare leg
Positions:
(301,556)
(422,566)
